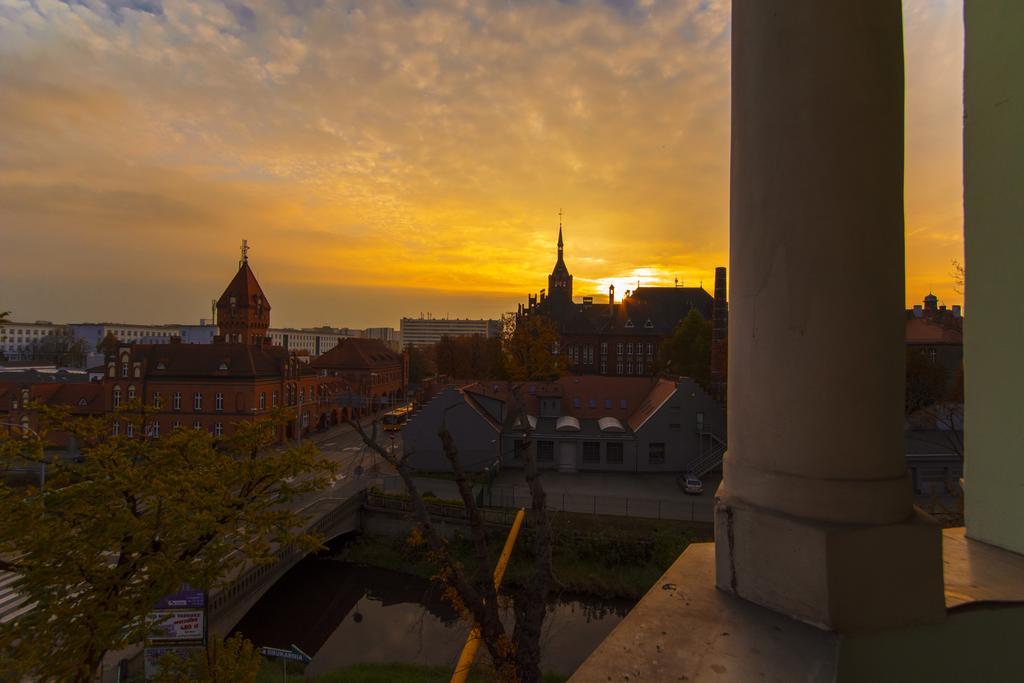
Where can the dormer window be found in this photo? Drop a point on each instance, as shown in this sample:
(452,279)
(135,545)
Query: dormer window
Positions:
(161,366)
(223,366)
(82,402)
(629,323)
(649,325)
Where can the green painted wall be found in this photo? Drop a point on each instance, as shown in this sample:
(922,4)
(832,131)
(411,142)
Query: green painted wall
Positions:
(994,251)
(979,643)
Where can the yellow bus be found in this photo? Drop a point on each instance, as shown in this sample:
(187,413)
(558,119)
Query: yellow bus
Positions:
(394,419)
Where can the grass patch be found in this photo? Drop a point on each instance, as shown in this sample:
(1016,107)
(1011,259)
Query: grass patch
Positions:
(397,672)
(604,556)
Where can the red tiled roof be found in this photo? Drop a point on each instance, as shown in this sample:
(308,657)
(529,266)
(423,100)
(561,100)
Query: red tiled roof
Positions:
(926,331)
(357,353)
(80,396)
(592,392)
(244,288)
(219,359)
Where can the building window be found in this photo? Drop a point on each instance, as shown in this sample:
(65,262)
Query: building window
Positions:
(618,367)
(591,452)
(613,452)
(176,425)
(273,399)
(650,349)
(157,400)
(302,395)
(196,426)
(129,430)
(622,403)
(116,429)
(218,429)
(197,401)
(124,368)
(700,422)
(155,430)
(629,349)
(263,400)
(604,367)
(629,368)
(931,355)
(177,400)
(618,348)
(131,392)
(545,451)
(218,402)
(656,454)
(576,403)
(117,397)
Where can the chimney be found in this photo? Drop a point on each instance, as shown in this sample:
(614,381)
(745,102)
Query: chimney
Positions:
(956,310)
(719,337)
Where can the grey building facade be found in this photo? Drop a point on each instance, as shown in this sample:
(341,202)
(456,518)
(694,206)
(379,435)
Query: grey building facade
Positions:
(576,424)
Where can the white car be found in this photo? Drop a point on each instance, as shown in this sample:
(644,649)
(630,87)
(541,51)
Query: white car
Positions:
(691,484)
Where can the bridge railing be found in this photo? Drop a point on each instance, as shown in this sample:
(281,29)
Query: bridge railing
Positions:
(257,577)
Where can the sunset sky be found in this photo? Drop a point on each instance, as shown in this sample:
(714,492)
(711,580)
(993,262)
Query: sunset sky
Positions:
(391,158)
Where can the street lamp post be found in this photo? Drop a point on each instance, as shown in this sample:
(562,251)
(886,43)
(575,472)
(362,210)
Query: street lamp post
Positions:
(42,462)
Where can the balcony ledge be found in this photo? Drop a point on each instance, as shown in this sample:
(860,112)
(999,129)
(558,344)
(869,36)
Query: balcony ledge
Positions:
(684,629)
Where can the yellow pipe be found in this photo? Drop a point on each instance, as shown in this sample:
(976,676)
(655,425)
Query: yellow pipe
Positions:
(468,655)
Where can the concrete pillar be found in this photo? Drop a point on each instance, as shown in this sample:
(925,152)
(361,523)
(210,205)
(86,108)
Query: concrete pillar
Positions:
(816,514)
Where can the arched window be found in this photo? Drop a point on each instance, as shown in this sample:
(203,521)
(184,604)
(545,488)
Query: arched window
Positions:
(131,392)
(263,400)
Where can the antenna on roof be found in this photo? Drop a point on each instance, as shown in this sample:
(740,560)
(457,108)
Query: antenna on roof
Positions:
(245,253)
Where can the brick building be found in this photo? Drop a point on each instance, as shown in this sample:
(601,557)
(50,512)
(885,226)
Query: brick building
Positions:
(622,338)
(376,376)
(937,332)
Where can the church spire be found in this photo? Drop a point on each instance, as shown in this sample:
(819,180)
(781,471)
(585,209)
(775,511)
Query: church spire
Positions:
(560,243)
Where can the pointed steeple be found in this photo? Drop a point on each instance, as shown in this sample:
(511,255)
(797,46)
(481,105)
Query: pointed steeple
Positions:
(243,312)
(560,243)
(560,281)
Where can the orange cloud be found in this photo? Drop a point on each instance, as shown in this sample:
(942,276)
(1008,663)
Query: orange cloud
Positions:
(385,159)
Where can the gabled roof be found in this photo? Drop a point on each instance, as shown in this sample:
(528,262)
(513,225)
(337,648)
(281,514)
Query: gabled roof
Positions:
(244,287)
(81,397)
(585,397)
(216,360)
(356,353)
(660,393)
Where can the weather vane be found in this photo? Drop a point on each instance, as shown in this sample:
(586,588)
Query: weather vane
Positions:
(245,253)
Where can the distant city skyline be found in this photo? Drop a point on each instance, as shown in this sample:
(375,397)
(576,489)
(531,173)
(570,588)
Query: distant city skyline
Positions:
(390,160)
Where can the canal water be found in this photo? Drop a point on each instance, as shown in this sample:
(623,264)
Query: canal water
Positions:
(342,613)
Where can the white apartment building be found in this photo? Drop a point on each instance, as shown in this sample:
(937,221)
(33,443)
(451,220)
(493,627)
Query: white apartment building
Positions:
(19,340)
(94,333)
(427,331)
(312,341)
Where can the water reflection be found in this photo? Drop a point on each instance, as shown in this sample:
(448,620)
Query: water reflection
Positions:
(343,613)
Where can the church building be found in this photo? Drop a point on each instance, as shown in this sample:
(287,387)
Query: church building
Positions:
(622,337)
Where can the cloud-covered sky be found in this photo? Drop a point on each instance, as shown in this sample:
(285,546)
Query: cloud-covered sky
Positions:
(389,158)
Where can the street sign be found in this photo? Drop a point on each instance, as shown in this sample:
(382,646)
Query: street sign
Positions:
(294,654)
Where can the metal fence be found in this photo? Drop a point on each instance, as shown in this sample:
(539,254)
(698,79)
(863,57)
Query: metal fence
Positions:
(681,509)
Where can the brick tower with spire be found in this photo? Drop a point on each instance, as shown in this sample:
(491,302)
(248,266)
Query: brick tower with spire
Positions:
(243,312)
(560,280)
